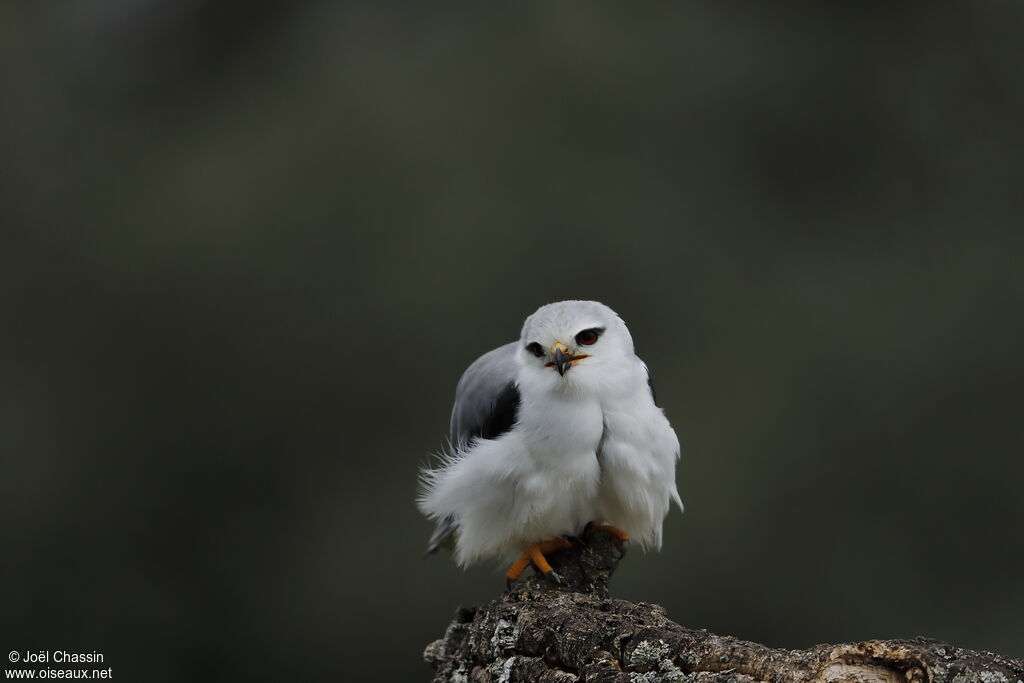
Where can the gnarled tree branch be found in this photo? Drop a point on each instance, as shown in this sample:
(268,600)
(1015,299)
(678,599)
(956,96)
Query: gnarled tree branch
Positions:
(540,632)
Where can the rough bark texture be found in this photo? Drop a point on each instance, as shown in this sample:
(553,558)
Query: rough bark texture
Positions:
(541,632)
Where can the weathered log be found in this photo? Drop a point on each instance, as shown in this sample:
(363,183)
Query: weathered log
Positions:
(542,632)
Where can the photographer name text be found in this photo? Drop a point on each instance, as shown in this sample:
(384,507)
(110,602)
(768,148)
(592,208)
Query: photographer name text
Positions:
(60,657)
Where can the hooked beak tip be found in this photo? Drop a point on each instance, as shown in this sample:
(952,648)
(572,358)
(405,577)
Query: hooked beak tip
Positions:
(562,361)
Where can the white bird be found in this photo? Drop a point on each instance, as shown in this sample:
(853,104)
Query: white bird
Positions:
(548,434)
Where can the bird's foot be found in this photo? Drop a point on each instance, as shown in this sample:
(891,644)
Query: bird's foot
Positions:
(534,554)
(619,537)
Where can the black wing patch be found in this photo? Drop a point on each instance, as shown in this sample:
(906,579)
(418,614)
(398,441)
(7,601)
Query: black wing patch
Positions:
(502,415)
(491,422)
(650,383)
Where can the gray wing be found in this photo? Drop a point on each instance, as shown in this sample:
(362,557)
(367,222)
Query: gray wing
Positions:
(486,406)
(486,398)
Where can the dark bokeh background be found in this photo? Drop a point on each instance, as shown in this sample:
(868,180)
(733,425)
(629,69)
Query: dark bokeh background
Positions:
(248,247)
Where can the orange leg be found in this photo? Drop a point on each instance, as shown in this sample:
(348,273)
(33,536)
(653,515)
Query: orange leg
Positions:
(535,553)
(516,569)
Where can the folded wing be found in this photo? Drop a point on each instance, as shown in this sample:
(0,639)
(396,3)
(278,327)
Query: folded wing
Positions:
(486,406)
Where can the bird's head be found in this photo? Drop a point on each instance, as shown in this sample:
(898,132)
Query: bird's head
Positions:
(575,346)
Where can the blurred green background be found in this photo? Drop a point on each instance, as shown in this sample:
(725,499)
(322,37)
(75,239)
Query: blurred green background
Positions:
(248,248)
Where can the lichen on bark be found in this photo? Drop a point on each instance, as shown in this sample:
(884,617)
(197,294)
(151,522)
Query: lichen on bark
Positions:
(575,632)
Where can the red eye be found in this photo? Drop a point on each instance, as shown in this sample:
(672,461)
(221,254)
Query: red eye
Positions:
(588,337)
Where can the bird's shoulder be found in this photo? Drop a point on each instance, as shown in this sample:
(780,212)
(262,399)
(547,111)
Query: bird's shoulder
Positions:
(650,382)
(487,397)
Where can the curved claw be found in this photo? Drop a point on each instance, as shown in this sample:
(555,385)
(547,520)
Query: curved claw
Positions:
(534,554)
(556,578)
